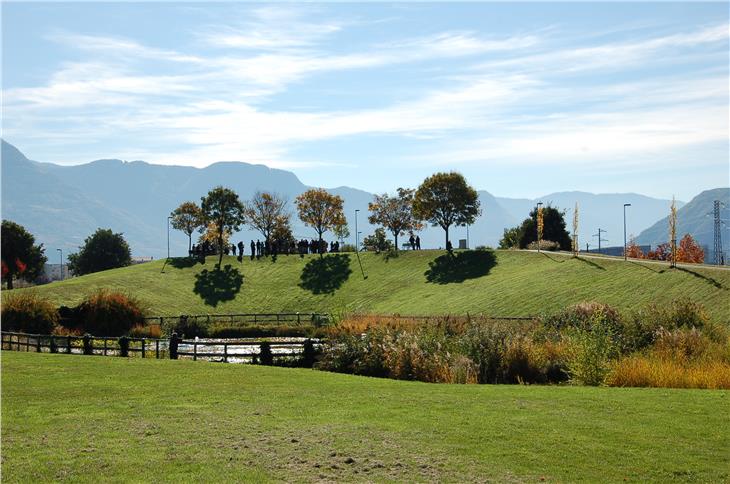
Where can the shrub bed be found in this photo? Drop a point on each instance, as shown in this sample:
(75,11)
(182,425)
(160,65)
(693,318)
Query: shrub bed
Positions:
(28,312)
(587,344)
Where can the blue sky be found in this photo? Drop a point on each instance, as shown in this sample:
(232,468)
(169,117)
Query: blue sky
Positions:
(525,99)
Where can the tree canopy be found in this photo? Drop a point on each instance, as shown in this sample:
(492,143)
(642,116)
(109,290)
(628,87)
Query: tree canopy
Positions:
(553,228)
(223,208)
(395,213)
(320,210)
(188,218)
(21,257)
(265,212)
(445,199)
(101,251)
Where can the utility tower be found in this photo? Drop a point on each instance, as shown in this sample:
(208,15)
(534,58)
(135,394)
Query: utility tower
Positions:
(718,233)
(600,239)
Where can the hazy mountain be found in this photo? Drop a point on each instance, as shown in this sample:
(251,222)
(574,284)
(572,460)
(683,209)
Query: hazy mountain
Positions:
(695,218)
(62,205)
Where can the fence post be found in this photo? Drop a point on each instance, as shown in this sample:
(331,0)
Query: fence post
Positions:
(88,344)
(68,347)
(38,344)
(225,352)
(27,343)
(174,340)
(53,347)
(195,350)
(105,347)
(157,349)
(143,345)
(123,346)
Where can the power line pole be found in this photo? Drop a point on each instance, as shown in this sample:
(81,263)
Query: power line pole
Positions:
(718,233)
(600,239)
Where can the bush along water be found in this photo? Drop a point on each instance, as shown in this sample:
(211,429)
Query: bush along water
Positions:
(587,344)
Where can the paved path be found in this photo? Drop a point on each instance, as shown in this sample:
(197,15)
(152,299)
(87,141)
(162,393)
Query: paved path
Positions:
(637,261)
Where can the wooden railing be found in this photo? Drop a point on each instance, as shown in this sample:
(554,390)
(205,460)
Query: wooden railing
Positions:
(173,348)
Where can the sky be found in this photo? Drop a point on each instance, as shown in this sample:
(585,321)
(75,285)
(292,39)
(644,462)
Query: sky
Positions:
(524,99)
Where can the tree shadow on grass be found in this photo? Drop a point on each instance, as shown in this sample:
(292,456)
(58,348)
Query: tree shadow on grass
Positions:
(591,263)
(218,285)
(559,260)
(705,278)
(645,266)
(324,275)
(186,262)
(460,266)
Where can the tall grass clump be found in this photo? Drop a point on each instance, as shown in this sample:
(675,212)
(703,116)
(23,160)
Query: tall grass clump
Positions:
(110,313)
(29,313)
(681,358)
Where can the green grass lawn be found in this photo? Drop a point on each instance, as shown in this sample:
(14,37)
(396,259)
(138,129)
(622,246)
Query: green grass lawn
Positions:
(510,284)
(77,418)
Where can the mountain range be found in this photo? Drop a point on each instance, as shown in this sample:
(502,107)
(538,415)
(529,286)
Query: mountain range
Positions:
(62,205)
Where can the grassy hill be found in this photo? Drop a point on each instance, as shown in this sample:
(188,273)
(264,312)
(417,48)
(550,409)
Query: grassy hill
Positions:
(503,283)
(85,419)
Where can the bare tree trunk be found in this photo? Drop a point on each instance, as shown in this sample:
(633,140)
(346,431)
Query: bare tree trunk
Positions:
(447,236)
(396,241)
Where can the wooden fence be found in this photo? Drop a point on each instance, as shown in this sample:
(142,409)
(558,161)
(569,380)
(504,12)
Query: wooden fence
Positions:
(241,350)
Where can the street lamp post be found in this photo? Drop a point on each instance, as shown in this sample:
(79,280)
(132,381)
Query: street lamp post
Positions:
(61,251)
(357,239)
(537,224)
(625,205)
(168,237)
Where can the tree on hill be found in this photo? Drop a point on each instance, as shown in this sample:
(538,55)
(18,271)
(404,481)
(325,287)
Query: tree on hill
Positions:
(223,208)
(378,242)
(633,251)
(553,228)
(445,199)
(690,251)
(320,210)
(101,251)
(510,239)
(394,213)
(662,252)
(21,257)
(265,211)
(188,218)
(212,237)
(341,232)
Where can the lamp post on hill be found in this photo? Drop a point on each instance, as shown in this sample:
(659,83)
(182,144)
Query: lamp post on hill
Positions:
(625,205)
(61,251)
(168,237)
(357,238)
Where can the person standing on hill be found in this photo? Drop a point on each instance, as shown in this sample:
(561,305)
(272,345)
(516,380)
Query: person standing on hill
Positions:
(418,242)
(412,242)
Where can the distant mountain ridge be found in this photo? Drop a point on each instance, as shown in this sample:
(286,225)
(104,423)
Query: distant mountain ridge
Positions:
(62,205)
(695,218)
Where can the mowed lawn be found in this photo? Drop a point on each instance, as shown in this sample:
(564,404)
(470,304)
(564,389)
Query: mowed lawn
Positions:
(77,418)
(512,284)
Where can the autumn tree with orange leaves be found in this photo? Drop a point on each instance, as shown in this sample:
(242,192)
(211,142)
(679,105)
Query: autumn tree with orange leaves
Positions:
(320,210)
(690,251)
(633,251)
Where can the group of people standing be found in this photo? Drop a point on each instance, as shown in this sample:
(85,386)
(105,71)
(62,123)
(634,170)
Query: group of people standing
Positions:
(267,248)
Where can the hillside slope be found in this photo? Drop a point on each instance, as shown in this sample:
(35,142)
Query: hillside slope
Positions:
(507,283)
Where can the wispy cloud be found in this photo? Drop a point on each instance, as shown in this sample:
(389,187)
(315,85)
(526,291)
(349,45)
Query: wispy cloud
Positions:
(507,98)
